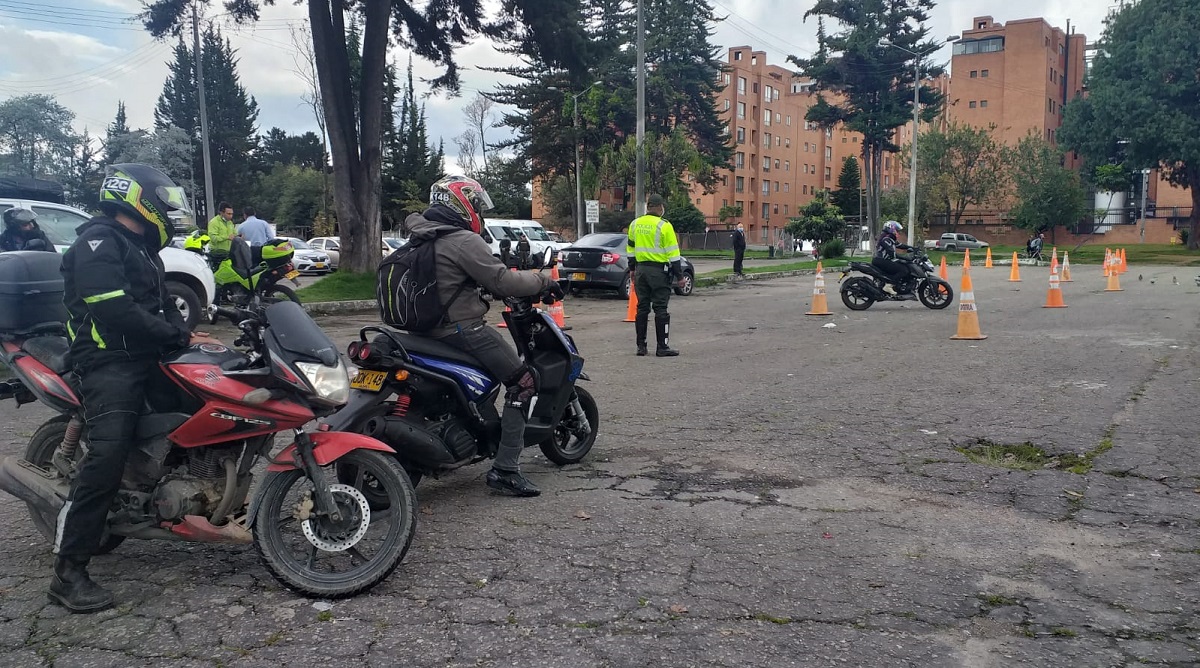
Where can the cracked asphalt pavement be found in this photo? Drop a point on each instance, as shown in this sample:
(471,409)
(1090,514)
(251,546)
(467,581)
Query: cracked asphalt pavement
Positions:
(783,494)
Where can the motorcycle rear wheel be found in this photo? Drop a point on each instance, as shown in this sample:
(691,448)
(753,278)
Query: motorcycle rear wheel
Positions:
(935,294)
(39,452)
(279,293)
(565,447)
(289,540)
(856,294)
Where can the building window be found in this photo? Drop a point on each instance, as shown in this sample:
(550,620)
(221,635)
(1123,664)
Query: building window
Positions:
(741,110)
(756,88)
(987,45)
(805,189)
(974,74)
(739,184)
(829,175)
(787,142)
(829,133)
(776,186)
(766,164)
(741,204)
(776,208)
(767,94)
(787,187)
(776,163)
(789,120)
(983,74)
(971,104)
(766,215)
(742,85)
(806,168)
(766,116)
(726,105)
(886,180)
(785,209)
(806,147)
(829,153)
(741,135)
(726,78)
(740,159)
(737,55)
(778,141)
(766,187)
(778,118)
(983,104)
(787,165)
(767,139)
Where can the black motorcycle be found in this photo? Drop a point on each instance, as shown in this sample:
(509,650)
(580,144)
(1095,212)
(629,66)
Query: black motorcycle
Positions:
(860,292)
(436,406)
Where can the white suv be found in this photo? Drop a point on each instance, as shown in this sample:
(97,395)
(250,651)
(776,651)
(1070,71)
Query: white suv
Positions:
(189,279)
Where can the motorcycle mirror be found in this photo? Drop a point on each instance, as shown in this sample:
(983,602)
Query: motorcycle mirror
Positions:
(548,259)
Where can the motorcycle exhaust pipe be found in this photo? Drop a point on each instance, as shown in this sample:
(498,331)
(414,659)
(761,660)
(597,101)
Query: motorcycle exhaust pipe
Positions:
(33,485)
(411,443)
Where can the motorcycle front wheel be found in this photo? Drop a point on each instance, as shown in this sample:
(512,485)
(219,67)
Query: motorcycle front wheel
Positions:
(856,294)
(321,558)
(567,446)
(935,294)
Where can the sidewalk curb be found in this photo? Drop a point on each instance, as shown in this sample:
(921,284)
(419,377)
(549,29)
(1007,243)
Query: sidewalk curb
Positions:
(360,305)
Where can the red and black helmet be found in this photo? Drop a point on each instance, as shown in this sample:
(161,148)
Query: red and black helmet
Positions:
(465,196)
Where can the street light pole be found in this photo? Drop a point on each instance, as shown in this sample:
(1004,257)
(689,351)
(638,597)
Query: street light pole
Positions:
(639,187)
(916,121)
(579,218)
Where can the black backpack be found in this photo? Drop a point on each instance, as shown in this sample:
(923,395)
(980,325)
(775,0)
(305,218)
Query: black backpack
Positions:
(407,288)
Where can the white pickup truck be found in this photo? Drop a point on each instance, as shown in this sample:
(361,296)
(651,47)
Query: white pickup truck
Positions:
(189,279)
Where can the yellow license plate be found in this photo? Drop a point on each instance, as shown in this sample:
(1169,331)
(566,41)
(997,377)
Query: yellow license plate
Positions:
(371,381)
(319,265)
(579,276)
(291,274)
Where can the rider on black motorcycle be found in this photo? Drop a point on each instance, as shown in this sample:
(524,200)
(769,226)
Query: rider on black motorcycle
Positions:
(21,232)
(885,260)
(464,264)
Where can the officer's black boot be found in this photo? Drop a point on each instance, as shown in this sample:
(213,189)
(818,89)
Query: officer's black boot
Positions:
(640,325)
(73,589)
(662,329)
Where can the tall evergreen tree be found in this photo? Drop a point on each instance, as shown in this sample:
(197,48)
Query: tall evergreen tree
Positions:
(116,135)
(232,114)
(849,183)
(867,87)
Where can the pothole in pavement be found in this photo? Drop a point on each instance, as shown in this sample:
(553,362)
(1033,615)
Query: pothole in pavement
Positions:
(1029,457)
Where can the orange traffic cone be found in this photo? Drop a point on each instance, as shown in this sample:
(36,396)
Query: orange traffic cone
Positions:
(820,305)
(1054,258)
(631,310)
(1124,264)
(556,312)
(1054,298)
(1014,276)
(554,273)
(987,262)
(1107,261)
(1066,272)
(966,257)
(968,315)
(1114,283)
(943,271)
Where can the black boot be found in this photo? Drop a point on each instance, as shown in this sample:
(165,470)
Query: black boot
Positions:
(73,589)
(640,325)
(511,482)
(662,329)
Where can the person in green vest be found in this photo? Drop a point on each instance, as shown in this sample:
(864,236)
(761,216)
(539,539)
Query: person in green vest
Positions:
(654,258)
(221,231)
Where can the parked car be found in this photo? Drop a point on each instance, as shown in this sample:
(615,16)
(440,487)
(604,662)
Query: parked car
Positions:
(512,230)
(189,279)
(308,260)
(394,243)
(332,246)
(598,261)
(955,241)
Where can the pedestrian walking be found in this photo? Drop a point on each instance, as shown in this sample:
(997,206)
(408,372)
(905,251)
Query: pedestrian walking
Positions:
(654,258)
(739,249)
(523,252)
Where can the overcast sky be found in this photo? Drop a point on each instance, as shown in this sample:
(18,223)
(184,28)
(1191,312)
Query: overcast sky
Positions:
(85,53)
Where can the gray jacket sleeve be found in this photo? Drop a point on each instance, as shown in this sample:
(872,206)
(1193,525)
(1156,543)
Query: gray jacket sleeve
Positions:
(476,259)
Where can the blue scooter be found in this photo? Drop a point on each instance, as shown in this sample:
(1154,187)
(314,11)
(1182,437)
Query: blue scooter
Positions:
(436,407)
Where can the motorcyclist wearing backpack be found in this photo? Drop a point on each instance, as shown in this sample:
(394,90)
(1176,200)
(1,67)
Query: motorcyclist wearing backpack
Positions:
(464,264)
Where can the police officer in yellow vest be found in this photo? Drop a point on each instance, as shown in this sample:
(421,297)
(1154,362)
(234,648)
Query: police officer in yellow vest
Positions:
(654,258)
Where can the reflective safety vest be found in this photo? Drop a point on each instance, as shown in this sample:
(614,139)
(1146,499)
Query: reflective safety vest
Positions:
(652,239)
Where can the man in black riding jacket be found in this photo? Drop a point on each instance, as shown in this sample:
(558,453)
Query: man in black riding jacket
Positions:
(886,262)
(121,322)
(464,264)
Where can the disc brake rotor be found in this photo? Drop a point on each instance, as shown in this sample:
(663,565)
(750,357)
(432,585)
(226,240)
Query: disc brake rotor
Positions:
(323,539)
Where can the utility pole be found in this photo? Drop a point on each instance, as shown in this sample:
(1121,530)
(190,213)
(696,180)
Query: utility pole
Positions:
(578,185)
(1145,187)
(639,188)
(912,168)
(199,56)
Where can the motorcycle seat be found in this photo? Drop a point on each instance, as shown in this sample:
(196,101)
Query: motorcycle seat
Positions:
(242,257)
(49,350)
(425,346)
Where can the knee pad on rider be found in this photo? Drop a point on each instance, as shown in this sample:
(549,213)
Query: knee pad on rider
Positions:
(521,387)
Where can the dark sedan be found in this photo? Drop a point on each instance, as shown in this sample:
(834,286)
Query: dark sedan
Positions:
(598,262)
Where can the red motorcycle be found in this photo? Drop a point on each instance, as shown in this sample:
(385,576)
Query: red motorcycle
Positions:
(189,476)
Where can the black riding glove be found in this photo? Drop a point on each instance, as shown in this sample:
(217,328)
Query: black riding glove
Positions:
(553,293)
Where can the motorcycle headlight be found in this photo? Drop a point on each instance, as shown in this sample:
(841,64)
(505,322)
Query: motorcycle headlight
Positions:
(331,383)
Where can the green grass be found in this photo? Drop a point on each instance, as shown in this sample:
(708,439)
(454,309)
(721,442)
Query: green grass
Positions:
(341,286)
(1029,457)
(789,266)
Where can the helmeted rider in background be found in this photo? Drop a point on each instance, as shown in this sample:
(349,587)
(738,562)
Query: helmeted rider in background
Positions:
(885,259)
(21,232)
(464,264)
(121,322)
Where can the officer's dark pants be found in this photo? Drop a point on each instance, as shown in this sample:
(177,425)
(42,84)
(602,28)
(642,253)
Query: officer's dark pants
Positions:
(500,360)
(653,287)
(114,395)
(738,255)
